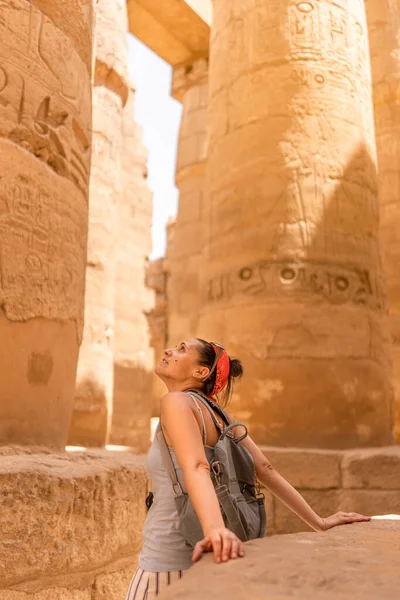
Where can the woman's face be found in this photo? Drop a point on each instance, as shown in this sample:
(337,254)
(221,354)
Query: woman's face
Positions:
(181,363)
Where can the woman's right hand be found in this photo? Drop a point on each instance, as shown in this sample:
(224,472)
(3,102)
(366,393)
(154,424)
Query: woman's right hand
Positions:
(222,542)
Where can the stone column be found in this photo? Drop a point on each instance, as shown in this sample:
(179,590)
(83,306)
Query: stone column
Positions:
(190,86)
(45,111)
(292,273)
(94,387)
(133,356)
(383,23)
(156,279)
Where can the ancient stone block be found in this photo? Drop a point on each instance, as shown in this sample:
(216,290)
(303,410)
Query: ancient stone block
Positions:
(306,469)
(370,502)
(377,468)
(178,31)
(64,518)
(321,566)
(45,148)
(59,593)
(113,586)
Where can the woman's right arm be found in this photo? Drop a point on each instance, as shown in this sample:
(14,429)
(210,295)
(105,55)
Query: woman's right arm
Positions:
(287,494)
(183,434)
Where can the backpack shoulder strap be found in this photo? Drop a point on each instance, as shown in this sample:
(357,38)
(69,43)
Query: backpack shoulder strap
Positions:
(168,462)
(210,410)
(211,404)
(203,423)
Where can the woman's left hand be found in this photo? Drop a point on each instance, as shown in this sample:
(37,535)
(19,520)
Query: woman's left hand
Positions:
(342,518)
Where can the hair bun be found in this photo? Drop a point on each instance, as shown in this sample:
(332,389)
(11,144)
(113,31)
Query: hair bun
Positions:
(236,367)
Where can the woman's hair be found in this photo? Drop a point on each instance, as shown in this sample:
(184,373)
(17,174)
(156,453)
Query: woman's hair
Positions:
(207,358)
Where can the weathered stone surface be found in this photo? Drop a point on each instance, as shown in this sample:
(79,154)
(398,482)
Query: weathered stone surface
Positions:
(327,480)
(113,586)
(111,47)
(49,594)
(178,31)
(63,13)
(370,502)
(383,18)
(45,113)
(346,563)
(156,279)
(184,251)
(291,274)
(372,469)
(306,469)
(324,502)
(133,356)
(65,518)
(92,413)
(94,387)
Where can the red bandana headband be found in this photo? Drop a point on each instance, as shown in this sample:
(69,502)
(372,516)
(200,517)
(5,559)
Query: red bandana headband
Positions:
(222,368)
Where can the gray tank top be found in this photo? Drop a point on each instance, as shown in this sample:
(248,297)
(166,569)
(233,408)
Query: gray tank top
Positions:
(164,548)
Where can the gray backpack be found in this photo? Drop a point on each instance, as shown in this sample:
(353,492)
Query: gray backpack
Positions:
(234,478)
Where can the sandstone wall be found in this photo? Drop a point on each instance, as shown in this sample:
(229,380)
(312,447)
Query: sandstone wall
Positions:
(45,147)
(133,356)
(361,480)
(291,273)
(70,524)
(94,387)
(383,26)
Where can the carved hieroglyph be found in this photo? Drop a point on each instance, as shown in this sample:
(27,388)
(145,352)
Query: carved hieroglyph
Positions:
(292,277)
(94,386)
(133,356)
(45,111)
(184,253)
(383,25)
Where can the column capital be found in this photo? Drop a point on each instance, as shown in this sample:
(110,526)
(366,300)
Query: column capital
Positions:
(186,75)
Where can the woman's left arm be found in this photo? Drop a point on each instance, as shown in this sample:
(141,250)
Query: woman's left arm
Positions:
(287,494)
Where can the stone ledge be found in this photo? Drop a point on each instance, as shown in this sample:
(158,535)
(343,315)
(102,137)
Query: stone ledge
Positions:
(67,518)
(341,564)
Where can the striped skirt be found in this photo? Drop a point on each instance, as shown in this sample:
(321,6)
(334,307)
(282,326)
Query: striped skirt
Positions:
(146,585)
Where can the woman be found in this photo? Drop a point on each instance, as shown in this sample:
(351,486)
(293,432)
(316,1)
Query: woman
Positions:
(191,433)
